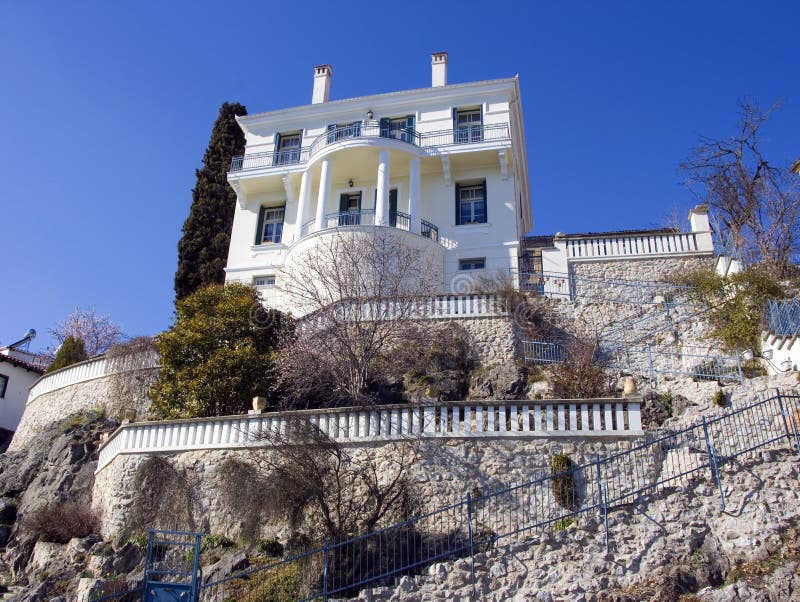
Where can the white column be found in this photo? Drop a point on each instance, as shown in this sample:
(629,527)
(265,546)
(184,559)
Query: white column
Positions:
(305,194)
(322,197)
(413,195)
(382,200)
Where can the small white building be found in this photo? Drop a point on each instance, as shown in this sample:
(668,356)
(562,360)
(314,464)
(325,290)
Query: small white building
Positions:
(443,168)
(18,371)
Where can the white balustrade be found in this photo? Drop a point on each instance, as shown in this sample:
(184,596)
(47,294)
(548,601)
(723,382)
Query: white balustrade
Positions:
(632,245)
(528,419)
(88,370)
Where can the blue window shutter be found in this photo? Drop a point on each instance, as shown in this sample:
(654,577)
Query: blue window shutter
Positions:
(458,205)
(356,129)
(393,207)
(277,152)
(485,203)
(343,202)
(260,227)
(384,127)
(411,135)
(331,134)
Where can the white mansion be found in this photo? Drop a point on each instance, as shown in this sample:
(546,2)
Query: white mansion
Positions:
(442,167)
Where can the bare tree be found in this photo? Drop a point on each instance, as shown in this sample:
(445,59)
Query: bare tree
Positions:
(758,202)
(320,483)
(360,293)
(98,332)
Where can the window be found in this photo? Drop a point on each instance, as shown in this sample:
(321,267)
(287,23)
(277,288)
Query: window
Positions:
(340,131)
(270,225)
(287,148)
(400,128)
(264,281)
(3,385)
(471,203)
(350,209)
(468,126)
(478,263)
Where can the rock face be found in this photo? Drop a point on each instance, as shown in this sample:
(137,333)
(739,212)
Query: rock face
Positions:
(507,380)
(57,466)
(660,549)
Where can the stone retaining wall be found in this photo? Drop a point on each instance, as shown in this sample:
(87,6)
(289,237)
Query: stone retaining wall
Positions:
(445,472)
(113,393)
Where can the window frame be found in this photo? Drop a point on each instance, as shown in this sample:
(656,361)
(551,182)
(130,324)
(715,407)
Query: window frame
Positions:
(461,187)
(287,156)
(265,285)
(3,385)
(470,131)
(263,222)
(465,265)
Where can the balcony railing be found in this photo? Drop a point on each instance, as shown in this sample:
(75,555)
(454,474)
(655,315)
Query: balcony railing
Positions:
(371,129)
(366,217)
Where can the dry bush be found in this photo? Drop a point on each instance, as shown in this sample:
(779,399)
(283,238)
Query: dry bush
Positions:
(581,375)
(59,523)
(244,490)
(316,482)
(164,498)
(132,372)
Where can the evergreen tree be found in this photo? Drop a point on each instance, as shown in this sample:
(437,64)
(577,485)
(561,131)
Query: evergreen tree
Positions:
(219,353)
(71,352)
(203,248)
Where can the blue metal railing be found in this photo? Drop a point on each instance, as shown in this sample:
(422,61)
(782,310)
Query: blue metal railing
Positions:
(474,524)
(569,286)
(371,129)
(689,361)
(783,317)
(539,351)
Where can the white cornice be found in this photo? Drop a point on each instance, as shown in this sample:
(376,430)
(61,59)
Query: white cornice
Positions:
(383,101)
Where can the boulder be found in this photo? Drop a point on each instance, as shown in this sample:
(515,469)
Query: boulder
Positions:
(501,381)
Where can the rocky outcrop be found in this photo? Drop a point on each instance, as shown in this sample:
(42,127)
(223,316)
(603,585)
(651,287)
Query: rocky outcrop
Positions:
(508,380)
(660,549)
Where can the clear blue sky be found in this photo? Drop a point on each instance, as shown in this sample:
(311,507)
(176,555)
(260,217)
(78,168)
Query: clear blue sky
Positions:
(106,109)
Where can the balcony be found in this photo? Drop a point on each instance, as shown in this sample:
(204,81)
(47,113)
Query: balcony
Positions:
(371,129)
(366,217)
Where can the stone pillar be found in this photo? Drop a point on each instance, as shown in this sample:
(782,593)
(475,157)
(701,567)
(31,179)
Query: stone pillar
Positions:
(322,197)
(413,196)
(305,194)
(698,219)
(382,200)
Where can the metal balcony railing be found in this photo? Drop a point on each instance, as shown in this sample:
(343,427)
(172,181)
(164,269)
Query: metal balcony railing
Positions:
(372,129)
(366,217)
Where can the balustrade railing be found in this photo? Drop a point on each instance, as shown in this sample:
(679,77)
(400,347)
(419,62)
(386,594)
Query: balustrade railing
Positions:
(549,418)
(87,370)
(371,129)
(632,245)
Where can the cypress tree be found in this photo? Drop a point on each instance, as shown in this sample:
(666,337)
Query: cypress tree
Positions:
(71,352)
(203,248)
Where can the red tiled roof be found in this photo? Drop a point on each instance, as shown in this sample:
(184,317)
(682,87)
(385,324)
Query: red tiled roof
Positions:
(15,362)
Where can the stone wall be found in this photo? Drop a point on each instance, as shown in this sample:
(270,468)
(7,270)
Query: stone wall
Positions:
(644,270)
(493,339)
(113,393)
(445,472)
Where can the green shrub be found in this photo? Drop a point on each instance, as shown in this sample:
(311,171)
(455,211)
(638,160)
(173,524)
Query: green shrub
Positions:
(753,369)
(563,484)
(562,524)
(140,541)
(210,542)
(270,547)
(720,399)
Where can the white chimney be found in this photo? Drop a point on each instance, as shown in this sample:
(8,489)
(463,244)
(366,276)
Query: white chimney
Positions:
(322,84)
(439,69)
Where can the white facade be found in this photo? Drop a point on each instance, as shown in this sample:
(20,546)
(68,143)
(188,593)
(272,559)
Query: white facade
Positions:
(16,377)
(445,165)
